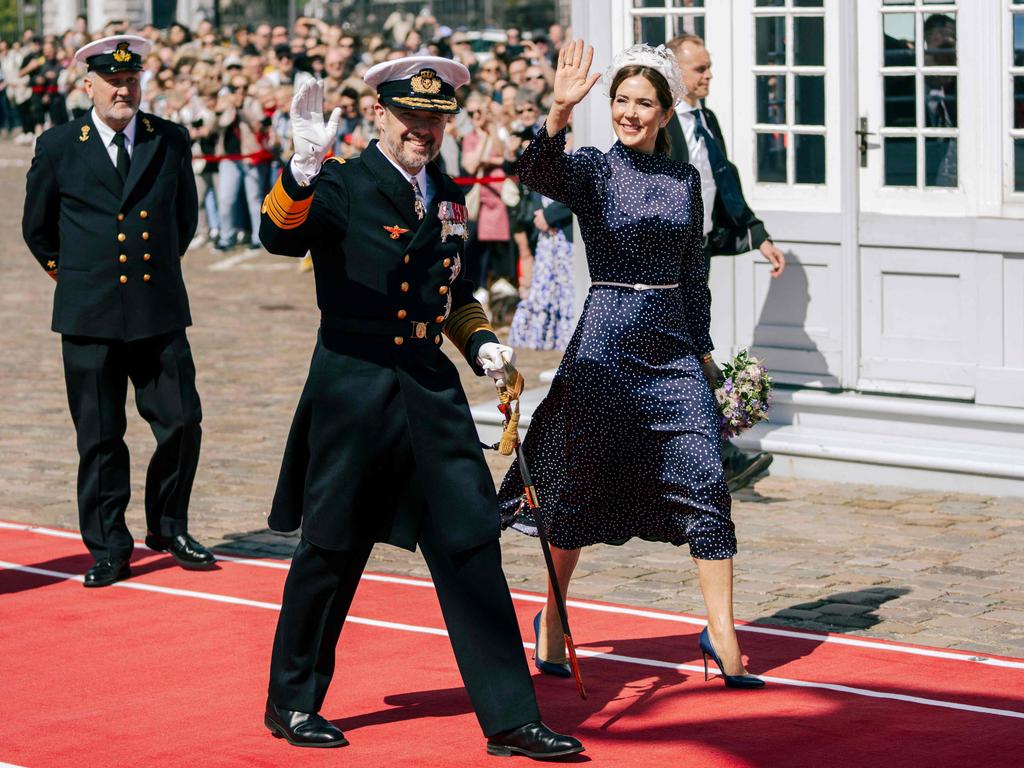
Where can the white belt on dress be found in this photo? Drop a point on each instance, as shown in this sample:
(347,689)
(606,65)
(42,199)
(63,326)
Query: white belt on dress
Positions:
(637,286)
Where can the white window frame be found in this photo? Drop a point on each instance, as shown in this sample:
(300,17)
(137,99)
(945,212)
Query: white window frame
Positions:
(978,165)
(1013,200)
(778,195)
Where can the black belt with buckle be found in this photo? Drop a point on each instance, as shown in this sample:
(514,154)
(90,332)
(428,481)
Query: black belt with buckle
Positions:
(409,329)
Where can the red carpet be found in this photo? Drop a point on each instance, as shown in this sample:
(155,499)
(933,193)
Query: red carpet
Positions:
(169,669)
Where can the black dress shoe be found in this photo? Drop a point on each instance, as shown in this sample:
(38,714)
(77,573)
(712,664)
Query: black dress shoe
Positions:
(106,571)
(741,470)
(534,740)
(188,552)
(302,729)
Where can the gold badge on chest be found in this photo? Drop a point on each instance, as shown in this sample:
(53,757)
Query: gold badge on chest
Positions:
(85,133)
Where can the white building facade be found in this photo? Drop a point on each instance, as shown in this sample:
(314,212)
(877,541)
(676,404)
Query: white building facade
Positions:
(882,142)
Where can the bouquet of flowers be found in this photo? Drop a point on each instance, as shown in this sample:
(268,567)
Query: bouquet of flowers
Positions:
(743,396)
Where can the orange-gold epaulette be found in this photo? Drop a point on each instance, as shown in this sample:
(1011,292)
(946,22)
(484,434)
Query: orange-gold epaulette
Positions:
(464,322)
(285,212)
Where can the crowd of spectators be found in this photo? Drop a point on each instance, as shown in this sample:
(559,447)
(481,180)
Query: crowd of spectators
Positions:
(232,90)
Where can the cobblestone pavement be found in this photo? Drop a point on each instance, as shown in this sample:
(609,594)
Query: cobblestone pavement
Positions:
(934,568)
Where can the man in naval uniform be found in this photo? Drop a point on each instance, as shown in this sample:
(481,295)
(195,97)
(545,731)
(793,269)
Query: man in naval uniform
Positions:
(382,447)
(110,207)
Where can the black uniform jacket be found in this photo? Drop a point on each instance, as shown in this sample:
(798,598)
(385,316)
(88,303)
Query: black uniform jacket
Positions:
(116,246)
(382,441)
(727,237)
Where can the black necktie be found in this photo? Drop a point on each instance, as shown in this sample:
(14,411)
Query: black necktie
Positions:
(123,161)
(728,188)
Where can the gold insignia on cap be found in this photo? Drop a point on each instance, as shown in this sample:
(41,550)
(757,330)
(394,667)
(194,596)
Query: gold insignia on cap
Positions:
(426,81)
(122,54)
(85,133)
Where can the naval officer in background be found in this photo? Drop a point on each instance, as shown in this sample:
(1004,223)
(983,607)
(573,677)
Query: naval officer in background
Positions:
(110,207)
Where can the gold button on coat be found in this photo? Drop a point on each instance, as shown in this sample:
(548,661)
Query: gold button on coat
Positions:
(122,258)
(121,237)
(446,263)
(143,214)
(124,279)
(145,278)
(439,319)
(120,217)
(404,287)
(443,290)
(146,256)
(406,259)
(437,339)
(399,340)
(402,314)
(145,235)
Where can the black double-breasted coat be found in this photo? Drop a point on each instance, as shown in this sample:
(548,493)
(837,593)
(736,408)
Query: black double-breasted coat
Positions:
(382,441)
(117,246)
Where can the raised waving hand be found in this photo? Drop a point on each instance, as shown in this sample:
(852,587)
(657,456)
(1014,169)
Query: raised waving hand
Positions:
(312,137)
(573,82)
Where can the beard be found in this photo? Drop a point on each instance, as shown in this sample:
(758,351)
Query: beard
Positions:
(410,156)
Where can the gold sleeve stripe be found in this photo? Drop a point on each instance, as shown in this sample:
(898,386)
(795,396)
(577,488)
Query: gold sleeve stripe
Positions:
(283,211)
(464,322)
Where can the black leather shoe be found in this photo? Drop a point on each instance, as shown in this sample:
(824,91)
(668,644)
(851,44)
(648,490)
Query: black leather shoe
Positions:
(741,470)
(534,740)
(302,729)
(106,571)
(188,552)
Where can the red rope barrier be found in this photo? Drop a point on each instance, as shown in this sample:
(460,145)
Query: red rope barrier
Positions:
(257,157)
(468,180)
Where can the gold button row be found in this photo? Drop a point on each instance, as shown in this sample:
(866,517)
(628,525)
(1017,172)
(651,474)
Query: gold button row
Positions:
(145,278)
(142,215)
(145,257)
(400,340)
(121,236)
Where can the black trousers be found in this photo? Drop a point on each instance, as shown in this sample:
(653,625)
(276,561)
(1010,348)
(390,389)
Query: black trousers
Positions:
(478,613)
(97,372)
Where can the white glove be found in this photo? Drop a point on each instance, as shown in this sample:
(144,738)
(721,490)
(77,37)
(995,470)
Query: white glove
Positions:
(311,136)
(493,357)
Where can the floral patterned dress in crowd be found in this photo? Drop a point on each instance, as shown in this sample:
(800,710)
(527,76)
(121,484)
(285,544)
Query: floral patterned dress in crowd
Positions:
(543,320)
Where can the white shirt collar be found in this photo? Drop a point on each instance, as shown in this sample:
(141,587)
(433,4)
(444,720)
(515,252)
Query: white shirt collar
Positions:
(107,133)
(685,107)
(421,177)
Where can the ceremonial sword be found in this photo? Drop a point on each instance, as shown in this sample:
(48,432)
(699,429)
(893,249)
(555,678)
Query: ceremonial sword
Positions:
(508,404)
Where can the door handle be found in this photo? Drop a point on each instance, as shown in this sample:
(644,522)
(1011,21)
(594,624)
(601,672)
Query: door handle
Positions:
(862,141)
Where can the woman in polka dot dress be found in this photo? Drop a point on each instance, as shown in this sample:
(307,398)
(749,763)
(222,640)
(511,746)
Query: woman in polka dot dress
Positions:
(626,442)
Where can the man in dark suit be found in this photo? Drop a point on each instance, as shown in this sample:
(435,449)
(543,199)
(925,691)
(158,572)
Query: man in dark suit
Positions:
(110,207)
(382,447)
(730,227)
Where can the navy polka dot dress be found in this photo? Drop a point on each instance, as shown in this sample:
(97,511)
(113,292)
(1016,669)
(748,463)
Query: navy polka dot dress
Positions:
(626,442)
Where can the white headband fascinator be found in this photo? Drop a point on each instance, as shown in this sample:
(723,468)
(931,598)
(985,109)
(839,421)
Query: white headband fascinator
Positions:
(660,59)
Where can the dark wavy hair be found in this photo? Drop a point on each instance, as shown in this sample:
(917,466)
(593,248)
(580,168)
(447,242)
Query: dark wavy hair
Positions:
(662,145)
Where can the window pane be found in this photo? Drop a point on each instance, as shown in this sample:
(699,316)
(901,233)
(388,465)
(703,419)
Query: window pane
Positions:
(899,101)
(940,101)
(649,30)
(771,2)
(771,98)
(1018,165)
(810,159)
(900,162)
(1018,101)
(810,100)
(1018,40)
(897,2)
(770,36)
(688,3)
(940,40)
(808,3)
(648,3)
(688,25)
(898,39)
(771,157)
(940,162)
(809,41)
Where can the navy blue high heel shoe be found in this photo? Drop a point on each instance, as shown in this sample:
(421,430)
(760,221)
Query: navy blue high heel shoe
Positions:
(547,667)
(731,681)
